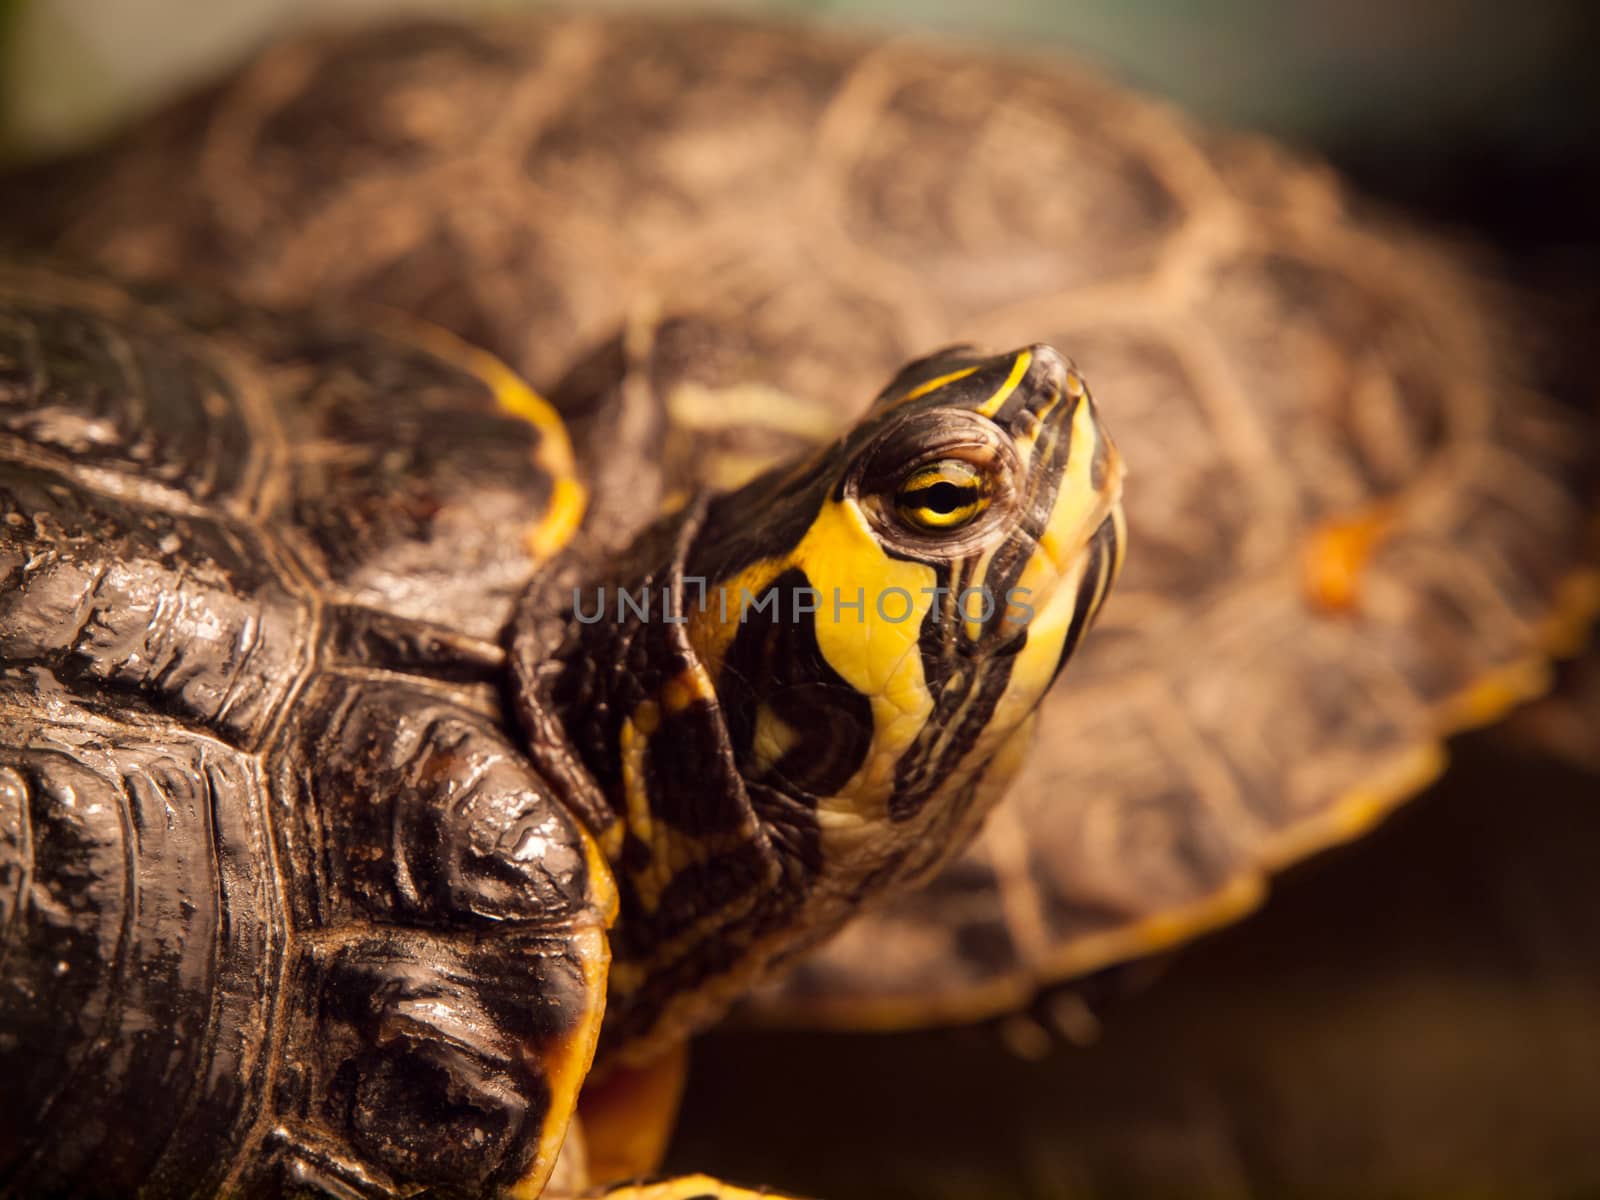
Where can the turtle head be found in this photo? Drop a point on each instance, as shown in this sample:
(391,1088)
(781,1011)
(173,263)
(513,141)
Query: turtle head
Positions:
(882,619)
(804,693)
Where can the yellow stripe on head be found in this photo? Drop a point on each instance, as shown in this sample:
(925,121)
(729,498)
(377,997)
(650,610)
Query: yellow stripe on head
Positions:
(1018,369)
(934,384)
(877,655)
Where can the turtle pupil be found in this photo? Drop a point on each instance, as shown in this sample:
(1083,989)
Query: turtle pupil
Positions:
(942,497)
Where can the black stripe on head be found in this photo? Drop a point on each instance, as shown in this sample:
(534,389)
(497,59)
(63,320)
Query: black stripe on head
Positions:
(966,684)
(766,518)
(1052,452)
(928,368)
(1102,552)
(775,664)
(961,712)
(687,744)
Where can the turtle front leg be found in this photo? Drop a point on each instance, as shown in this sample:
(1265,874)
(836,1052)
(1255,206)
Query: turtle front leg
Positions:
(448,961)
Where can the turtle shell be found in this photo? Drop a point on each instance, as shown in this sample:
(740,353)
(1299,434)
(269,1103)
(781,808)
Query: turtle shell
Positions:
(1355,503)
(252,767)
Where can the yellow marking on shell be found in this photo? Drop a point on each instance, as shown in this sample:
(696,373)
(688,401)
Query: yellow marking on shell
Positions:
(1359,809)
(1491,696)
(566,1064)
(1562,633)
(933,385)
(1566,631)
(1019,368)
(694,407)
(1336,554)
(602,884)
(628,1116)
(568,497)
(674,501)
(546,537)
(1167,929)
(1008,992)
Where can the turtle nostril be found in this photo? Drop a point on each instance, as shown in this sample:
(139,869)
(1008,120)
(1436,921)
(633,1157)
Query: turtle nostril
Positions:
(1052,364)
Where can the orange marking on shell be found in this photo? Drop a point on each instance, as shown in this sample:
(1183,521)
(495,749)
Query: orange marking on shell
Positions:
(1336,556)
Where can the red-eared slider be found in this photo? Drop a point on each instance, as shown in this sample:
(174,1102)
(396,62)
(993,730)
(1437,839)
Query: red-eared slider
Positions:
(1358,509)
(290,900)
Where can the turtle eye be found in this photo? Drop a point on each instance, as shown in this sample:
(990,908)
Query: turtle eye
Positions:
(942,495)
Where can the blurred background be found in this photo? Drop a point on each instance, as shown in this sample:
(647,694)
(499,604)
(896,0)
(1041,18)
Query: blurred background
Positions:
(1414,1014)
(1438,102)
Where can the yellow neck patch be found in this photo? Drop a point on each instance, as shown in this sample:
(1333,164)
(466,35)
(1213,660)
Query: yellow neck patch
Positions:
(870,609)
(874,648)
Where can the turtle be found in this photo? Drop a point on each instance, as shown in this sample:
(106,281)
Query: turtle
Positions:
(1361,517)
(1361,523)
(341,834)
